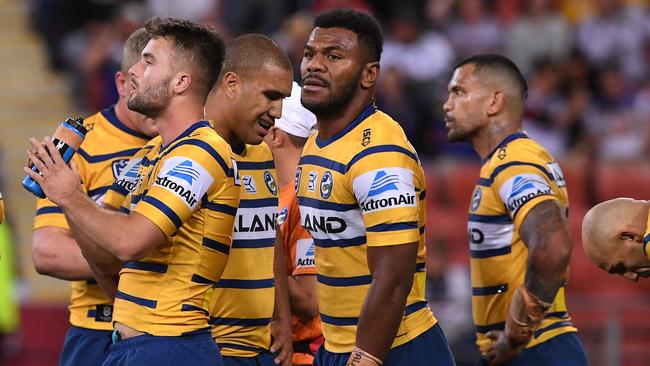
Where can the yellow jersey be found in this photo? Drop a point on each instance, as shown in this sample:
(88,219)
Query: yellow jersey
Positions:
(242,303)
(646,239)
(190,190)
(514,178)
(362,187)
(104,153)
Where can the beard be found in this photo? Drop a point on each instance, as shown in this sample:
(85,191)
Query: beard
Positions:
(152,101)
(335,102)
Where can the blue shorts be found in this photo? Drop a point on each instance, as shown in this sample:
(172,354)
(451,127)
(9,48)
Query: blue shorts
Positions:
(143,350)
(85,347)
(428,349)
(563,350)
(263,358)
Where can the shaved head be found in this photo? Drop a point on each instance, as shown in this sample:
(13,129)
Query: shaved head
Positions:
(252,52)
(612,234)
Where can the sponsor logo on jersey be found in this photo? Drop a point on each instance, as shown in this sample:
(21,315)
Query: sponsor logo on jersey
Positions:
(326,185)
(184,171)
(382,183)
(324,224)
(186,178)
(386,190)
(249,184)
(129,176)
(407,199)
(556,172)
(118,167)
(476,199)
(311,183)
(282,216)
(305,249)
(296,182)
(270,183)
(255,223)
(524,188)
(366,137)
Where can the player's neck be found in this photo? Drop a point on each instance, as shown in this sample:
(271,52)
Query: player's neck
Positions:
(177,118)
(331,124)
(491,136)
(286,163)
(122,114)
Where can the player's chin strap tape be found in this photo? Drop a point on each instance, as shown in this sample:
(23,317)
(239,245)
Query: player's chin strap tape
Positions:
(524,316)
(359,357)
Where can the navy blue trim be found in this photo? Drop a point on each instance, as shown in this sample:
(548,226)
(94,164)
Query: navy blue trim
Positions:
(256,322)
(190,307)
(646,240)
(49,210)
(539,332)
(380,149)
(206,330)
(146,266)
(187,132)
(92,159)
(516,211)
(344,281)
(220,207)
(326,205)
(91,313)
(340,243)
(124,210)
(136,300)
(489,327)
(489,290)
(557,314)
(420,267)
(202,280)
(119,189)
(215,245)
(393,227)
(490,219)
(368,111)
(109,114)
(488,182)
(490,252)
(164,209)
(98,191)
(322,162)
(253,243)
(337,320)
(514,136)
(246,284)
(423,195)
(410,309)
(259,202)
(205,146)
(255,165)
(240,347)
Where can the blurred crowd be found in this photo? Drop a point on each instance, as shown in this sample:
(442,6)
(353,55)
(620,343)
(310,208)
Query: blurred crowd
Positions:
(586,61)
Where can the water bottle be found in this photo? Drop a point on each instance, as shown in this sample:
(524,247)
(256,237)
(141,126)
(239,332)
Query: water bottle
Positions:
(67,138)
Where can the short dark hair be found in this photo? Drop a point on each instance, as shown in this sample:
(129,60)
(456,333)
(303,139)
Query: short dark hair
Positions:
(201,44)
(363,24)
(133,47)
(252,52)
(499,65)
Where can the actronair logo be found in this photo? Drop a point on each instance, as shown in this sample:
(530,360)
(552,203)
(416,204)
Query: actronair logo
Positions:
(522,188)
(185,171)
(382,183)
(407,199)
(128,179)
(305,249)
(186,194)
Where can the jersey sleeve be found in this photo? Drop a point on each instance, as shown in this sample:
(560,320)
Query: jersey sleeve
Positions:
(384,184)
(186,175)
(521,186)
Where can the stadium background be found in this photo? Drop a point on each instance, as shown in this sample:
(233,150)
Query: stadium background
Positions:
(587,63)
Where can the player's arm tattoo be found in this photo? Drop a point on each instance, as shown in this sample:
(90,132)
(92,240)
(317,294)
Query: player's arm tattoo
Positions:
(545,230)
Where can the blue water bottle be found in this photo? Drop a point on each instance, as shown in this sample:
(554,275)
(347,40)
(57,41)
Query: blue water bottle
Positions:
(67,139)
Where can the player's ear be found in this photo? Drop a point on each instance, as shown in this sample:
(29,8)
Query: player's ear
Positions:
(370,74)
(630,235)
(274,137)
(497,102)
(120,83)
(230,82)
(181,82)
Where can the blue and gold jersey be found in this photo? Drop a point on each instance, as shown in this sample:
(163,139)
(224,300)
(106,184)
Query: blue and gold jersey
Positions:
(242,303)
(189,189)
(104,153)
(363,187)
(518,175)
(646,239)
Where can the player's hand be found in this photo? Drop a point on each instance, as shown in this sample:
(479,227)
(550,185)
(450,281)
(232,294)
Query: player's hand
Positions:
(281,342)
(56,178)
(502,351)
(359,357)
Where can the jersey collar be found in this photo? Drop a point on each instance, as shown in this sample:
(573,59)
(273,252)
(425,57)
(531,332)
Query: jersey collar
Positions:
(111,117)
(514,136)
(365,113)
(187,132)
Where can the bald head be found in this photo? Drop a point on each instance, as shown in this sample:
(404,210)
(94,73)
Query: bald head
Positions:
(609,227)
(253,52)
(499,69)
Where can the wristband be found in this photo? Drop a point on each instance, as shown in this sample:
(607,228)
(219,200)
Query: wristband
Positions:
(359,357)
